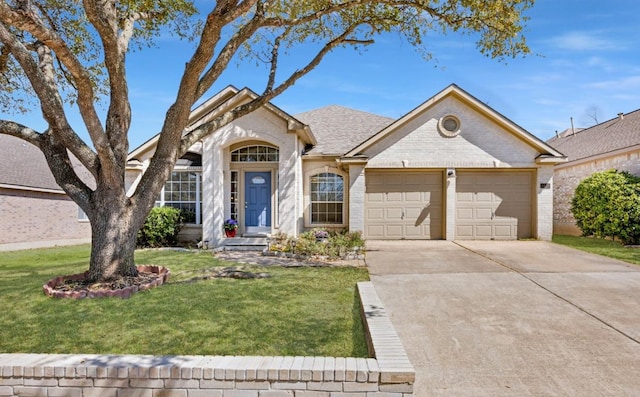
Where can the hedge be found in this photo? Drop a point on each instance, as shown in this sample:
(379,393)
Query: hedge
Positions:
(607,204)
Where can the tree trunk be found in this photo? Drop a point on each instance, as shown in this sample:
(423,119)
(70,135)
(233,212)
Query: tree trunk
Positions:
(113,242)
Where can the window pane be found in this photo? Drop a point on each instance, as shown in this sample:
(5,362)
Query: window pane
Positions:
(326,197)
(256,153)
(180,191)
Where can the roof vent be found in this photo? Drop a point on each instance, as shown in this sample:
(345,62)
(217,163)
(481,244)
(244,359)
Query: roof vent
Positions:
(621,115)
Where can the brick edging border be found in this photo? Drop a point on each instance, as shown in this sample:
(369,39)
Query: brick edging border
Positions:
(389,373)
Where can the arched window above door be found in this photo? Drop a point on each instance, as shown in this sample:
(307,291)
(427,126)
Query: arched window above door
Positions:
(255,154)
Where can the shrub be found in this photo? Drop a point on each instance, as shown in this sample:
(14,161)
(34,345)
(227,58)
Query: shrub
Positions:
(161,228)
(607,204)
(319,242)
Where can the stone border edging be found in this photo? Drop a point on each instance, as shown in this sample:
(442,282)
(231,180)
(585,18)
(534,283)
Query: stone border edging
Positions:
(49,287)
(388,374)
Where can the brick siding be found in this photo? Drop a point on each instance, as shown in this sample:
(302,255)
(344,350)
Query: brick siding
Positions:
(29,216)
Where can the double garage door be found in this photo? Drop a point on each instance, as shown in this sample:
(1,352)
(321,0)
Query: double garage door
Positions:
(410,205)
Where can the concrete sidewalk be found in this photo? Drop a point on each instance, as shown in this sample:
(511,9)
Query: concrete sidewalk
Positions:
(511,318)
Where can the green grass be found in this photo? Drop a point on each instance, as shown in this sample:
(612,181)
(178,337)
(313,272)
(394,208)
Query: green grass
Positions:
(612,249)
(298,311)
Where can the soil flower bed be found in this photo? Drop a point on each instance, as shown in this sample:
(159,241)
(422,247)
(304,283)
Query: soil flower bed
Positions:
(75,286)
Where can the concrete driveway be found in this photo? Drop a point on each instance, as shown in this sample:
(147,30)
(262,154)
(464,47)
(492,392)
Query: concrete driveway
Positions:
(515,318)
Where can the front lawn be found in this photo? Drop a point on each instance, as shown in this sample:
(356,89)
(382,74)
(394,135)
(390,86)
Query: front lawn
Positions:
(298,311)
(612,249)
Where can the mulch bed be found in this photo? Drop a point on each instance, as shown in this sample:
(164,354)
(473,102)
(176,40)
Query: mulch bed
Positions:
(75,286)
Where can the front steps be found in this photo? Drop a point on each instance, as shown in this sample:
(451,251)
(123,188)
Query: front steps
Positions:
(246,243)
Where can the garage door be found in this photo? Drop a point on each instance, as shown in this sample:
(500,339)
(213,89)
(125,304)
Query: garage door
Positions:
(494,205)
(403,205)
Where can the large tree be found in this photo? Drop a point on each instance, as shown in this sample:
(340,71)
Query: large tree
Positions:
(67,54)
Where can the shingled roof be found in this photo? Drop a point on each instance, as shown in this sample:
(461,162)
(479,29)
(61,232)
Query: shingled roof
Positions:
(339,129)
(612,135)
(23,166)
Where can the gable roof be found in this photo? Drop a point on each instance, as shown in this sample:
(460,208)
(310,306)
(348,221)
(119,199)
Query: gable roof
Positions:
(612,135)
(338,128)
(548,153)
(224,100)
(23,166)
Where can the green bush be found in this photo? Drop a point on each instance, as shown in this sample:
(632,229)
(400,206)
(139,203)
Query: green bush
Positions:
(161,228)
(607,204)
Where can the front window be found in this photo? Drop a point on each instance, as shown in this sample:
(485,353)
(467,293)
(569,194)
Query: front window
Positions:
(327,198)
(183,190)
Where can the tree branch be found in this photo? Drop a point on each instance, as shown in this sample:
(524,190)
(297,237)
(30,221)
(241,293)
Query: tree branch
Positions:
(29,23)
(102,14)
(50,101)
(23,132)
(63,172)
(194,136)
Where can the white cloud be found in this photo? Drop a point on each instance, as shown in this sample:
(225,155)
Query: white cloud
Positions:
(585,41)
(623,83)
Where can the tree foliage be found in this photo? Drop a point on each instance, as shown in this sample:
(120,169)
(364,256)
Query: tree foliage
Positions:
(56,52)
(607,204)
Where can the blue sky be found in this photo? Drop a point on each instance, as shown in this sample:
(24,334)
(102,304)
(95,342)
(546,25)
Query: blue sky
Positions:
(585,56)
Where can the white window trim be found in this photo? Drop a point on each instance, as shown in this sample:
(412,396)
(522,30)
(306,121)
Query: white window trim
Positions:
(307,197)
(198,172)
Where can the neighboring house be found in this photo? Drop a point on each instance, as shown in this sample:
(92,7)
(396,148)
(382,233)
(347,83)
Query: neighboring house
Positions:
(34,211)
(452,168)
(614,144)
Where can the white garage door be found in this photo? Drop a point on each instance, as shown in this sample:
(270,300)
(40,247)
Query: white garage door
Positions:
(494,205)
(403,205)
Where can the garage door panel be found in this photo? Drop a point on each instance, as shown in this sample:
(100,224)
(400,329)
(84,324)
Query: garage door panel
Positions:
(375,231)
(464,213)
(484,197)
(375,213)
(504,231)
(483,231)
(483,214)
(494,205)
(413,212)
(411,202)
(464,197)
(414,232)
(413,196)
(394,213)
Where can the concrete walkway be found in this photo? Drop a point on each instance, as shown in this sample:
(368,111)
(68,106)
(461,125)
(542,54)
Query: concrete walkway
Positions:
(511,318)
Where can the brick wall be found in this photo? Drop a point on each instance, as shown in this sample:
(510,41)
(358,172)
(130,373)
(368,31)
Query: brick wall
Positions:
(389,374)
(29,216)
(567,177)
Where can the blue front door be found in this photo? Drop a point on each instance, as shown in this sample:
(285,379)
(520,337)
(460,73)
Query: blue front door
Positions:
(257,193)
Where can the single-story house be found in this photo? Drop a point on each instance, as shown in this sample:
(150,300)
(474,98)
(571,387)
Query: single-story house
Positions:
(34,210)
(614,144)
(452,168)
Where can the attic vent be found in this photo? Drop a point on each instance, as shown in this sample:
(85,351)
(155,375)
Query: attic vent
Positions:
(449,126)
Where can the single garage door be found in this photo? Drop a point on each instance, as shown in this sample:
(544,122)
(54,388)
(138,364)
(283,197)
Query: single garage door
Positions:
(494,205)
(403,205)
